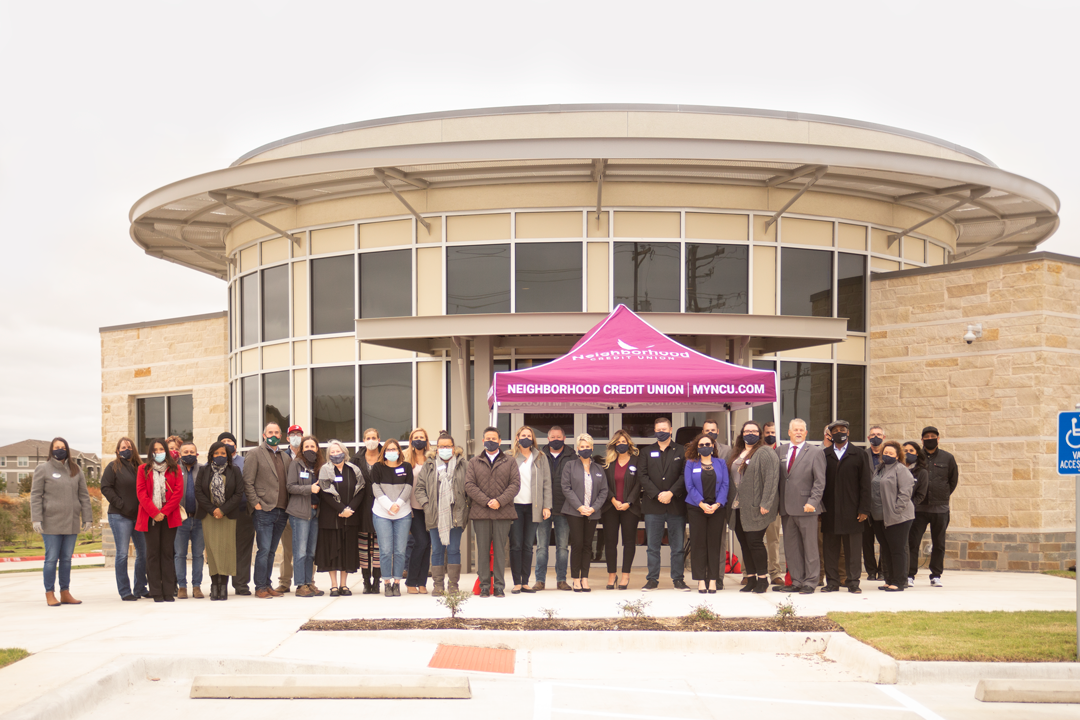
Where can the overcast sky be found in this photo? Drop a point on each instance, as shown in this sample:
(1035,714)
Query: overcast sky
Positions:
(103,102)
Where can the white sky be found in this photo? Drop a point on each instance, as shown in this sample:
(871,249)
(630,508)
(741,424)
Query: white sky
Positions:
(103,102)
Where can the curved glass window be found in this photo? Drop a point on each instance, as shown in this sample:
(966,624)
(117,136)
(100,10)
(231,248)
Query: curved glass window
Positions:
(717,278)
(275,303)
(276,400)
(332,296)
(251,417)
(386,399)
(851,398)
(478,279)
(333,403)
(806,392)
(386,286)
(249,309)
(647,276)
(806,282)
(851,291)
(548,277)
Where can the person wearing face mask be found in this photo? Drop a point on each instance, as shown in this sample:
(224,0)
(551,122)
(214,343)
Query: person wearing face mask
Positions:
(366,458)
(174,442)
(755,475)
(914,460)
(663,493)
(340,495)
(190,531)
(890,491)
(874,570)
(219,494)
(532,505)
(772,533)
(934,512)
(392,485)
(706,479)
(303,487)
(265,471)
(160,489)
(585,490)
(118,487)
(440,490)
(847,506)
(59,508)
(295,436)
(245,527)
(492,481)
(557,455)
(418,551)
(712,429)
(623,508)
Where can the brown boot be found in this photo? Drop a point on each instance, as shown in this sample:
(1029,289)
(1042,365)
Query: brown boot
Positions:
(67,599)
(453,575)
(50,599)
(196,592)
(438,577)
(181,593)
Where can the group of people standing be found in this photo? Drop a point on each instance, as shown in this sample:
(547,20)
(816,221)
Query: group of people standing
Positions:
(397,512)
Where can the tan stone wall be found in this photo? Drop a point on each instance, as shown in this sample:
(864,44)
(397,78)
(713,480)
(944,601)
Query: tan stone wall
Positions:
(995,401)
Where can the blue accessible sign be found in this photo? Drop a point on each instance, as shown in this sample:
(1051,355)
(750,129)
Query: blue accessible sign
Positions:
(1068,459)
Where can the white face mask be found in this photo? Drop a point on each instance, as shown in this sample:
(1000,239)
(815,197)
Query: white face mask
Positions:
(372,445)
(294,440)
(446,453)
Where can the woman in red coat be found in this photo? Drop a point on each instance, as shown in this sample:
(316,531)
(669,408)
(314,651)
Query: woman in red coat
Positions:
(160,489)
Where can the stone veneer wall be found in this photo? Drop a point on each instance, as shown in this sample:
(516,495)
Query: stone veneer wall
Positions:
(995,401)
(164,357)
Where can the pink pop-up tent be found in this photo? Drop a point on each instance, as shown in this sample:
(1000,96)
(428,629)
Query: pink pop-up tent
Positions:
(625,363)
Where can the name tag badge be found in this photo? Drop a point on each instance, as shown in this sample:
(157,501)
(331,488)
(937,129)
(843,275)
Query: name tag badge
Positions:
(337,478)
(56,475)
(305,475)
(697,470)
(632,468)
(655,453)
(399,471)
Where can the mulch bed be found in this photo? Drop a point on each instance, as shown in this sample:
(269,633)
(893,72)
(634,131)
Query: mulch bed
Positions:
(678,624)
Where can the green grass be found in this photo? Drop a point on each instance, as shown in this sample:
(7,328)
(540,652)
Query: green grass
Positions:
(1071,574)
(38,548)
(10,655)
(1029,636)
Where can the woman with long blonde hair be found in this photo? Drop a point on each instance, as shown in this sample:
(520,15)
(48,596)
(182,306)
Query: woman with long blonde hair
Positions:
(532,503)
(623,508)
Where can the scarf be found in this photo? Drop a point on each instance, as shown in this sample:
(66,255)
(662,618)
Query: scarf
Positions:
(217,485)
(446,498)
(159,484)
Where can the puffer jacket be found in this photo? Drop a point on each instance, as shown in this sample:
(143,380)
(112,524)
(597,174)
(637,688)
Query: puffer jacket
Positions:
(426,490)
(486,481)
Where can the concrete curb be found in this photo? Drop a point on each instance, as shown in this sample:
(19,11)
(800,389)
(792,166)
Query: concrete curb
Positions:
(970,673)
(293,687)
(867,663)
(1028,691)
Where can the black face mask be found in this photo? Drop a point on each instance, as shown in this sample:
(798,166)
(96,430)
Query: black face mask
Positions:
(311,456)
(622,448)
(125,454)
(663,436)
(60,454)
(751,440)
(930,444)
(770,439)
(419,444)
(491,445)
(556,444)
(712,436)
(912,458)
(220,461)
(189,460)
(839,438)
(525,443)
(888,459)
(876,441)
(704,450)
(585,453)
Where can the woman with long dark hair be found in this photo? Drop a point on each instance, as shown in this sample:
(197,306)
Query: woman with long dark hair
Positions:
(219,492)
(118,487)
(623,508)
(160,490)
(392,485)
(756,476)
(302,483)
(59,508)
(916,461)
(706,480)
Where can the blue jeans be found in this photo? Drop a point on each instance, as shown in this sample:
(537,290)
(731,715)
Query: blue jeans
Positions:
(446,554)
(562,547)
(189,530)
(654,534)
(58,548)
(305,533)
(124,534)
(269,524)
(393,537)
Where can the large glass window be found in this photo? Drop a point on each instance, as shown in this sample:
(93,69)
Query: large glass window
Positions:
(548,277)
(643,425)
(333,396)
(276,400)
(764,413)
(478,279)
(851,398)
(647,276)
(275,303)
(806,392)
(251,423)
(717,278)
(386,284)
(806,282)
(542,422)
(386,400)
(159,417)
(332,296)
(851,291)
(249,309)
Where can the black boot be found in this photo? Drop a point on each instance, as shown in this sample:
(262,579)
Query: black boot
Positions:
(223,588)
(217,587)
(761,585)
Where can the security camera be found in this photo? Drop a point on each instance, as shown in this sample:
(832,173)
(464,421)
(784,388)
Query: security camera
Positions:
(969,337)
(973,332)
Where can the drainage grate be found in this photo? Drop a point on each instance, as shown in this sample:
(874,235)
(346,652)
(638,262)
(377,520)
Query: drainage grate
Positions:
(479,659)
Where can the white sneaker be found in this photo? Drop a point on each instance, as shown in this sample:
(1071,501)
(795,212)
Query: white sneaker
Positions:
(910,581)
(936,582)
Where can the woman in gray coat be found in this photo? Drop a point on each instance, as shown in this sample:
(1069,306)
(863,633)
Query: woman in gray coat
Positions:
(440,490)
(584,485)
(59,508)
(891,506)
(756,476)
(532,503)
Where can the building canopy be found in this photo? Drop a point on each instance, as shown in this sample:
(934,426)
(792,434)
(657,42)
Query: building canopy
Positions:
(624,363)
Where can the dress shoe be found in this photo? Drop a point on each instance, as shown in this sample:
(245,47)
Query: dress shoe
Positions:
(273,592)
(130,598)
(650,585)
(563,585)
(264,593)
(67,599)
(181,593)
(893,589)
(282,589)
(778,581)
(855,591)
(527,590)
(336,592)
(785,588)
(680,585)
(196,592)
(537,587)
(484,592)
(242,590)
(170,598)
(422,590)
(413,591)
(499,593)
(50,599)
(830,589)
(609,587)
(808,590)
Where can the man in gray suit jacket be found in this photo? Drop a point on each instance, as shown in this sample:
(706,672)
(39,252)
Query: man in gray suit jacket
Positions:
(802,483)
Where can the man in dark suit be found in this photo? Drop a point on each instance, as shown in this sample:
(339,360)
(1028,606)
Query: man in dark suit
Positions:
(847,505)
(802,483)
(876,438)
(663,501)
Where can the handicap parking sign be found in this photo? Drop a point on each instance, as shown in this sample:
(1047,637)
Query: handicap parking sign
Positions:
(1068,459)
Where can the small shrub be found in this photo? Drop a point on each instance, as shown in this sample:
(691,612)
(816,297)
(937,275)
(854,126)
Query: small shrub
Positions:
(454,601)
(702,613)
(549,613)
(786,610)
(633,608)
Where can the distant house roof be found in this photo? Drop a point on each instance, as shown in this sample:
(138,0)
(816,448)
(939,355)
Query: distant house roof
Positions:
(40,448)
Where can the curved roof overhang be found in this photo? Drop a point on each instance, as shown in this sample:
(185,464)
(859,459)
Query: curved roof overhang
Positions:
(994,212)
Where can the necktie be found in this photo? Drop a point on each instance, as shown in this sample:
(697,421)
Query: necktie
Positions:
(791,458)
